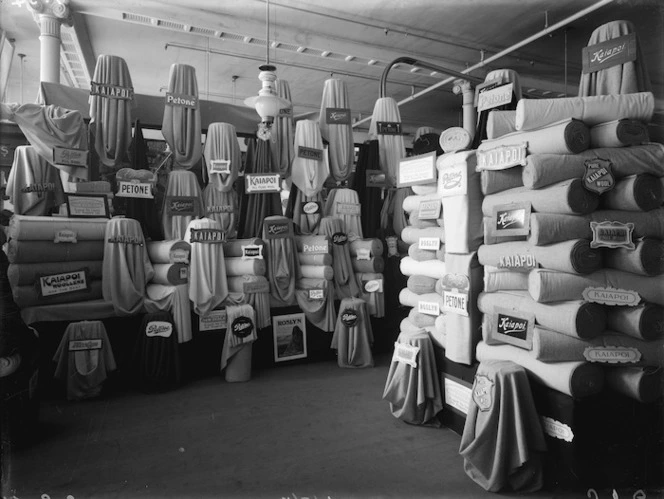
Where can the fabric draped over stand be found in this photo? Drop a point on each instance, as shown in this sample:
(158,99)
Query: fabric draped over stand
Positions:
(338,135)
(283,266)
(221,144)
(353,335)
(182,186)
(127,267)
(156,354)
(505,76)
(222,207)
(240,333)
(345,284)
(306,211)
(345,204)
(370,197)
(391,147)
(319,310)
(309,174)
(282,139)
(181,125)
(175,300)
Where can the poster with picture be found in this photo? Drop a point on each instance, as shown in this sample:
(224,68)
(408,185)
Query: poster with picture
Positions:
(290,337)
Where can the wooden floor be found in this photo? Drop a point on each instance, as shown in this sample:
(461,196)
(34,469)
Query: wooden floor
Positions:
(298,431)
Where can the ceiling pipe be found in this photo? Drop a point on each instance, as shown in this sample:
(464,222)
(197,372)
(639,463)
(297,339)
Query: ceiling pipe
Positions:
(502,53)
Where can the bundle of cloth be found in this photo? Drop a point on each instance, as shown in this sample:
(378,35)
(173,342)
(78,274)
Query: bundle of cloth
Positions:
(183,202)
(385,125)
(335,126)
(55,260)
(369,264)
(345,204)
(283,266)
(345,282)
(353,335)
(281,137)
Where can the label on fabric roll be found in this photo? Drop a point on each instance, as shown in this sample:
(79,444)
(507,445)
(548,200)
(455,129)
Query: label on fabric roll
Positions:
(337,116)
(522,261)
(429,243)
(502,157)
(207,236)
(556,429)
(612,235)
(39,188)
(178,255)
(125,239)
(183,100)
(311,207)
(612,355)
(388,128)
(609,53)
(159,328)
(372,285)
(87,206)
(455,293)
(66,282)
(349,317)
(457,395)
(259,286)
(261,183)
(339,238)
(510,220)
(316,249)
(227,208)
(454,180)
(286,112)
(375,178)
(66,156)
(316,294)
(182,206)
(363,254)
(611,296)
(428,308)
(252,252)
(65,236)
(242,327)
(278,229)
(406,354)
(429,210)
(455,139)
(134,190)
(309,153)
(483,388)
(184,273)
(417,170)
(353,209)
(214,320)
(598,177)
(514,328)
(111,91)
(220,166)
(78,345)
(494,97)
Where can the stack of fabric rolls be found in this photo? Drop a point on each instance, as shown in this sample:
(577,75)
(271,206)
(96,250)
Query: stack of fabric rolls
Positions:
(345,204)
(369,264)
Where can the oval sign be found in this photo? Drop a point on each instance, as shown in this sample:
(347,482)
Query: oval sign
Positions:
(339,238)
(242,327)
(159,328)
(349,317)
(372,286)
(310,208)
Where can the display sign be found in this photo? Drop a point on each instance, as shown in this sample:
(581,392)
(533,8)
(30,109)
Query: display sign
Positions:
(429,243)
(428,307)
(372,285)
(70,157)
(429,210)
(457,395)
(339,238)
(487,85)
(556,429)
(352,209)
(213,321)
(316,294)
(241,328)
(455,139)
(111,91)
(182,206)
(225,208)
(455,293)
(261,183)
(417,170)
(289,337)
(159,328)
(286,112)
(126,239)
(309,153)
(79,345)
(316,248)
(337,116)
(406,354)
(483,392)
(515,328)
(612,296)
(87,206)
(220,166)
(349,317)
(494,97)
(510,220)
(178,255)
(252,252)
(135,190)
(609,53)
(612,355)
(39,187)
(311,207)
(65,236)
(182,100)
(612,235)
(278,229)
(454,180)
(66,282)
(502,157)
(376,178)
(363,254)
(258,286)
(207,236)
(598,177)
(388,128)
(520,261)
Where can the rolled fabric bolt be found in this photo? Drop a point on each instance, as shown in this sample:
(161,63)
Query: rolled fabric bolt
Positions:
(639,383)
(644,321)
(415,221)
(375,264)
(393,205)
(421,255)
(490,238)
(412,235)
(374,246)
(500,123)
(421,285)
(390,147)
(233,249)
(29,296)
(319,305)
(419,319)
(307,173)
(423,190)
(339,136)
(313,244)
(500,279)
(549,285)
(170,273)
(568,198)
(409,299)
(567,136)
(412,203)
(317,272)
(577,318)
(168,251)
(592,110)
(407,326)
(647,258)
(550,228)
(618,133)
(574,255)
(35,228)
(493,181)
(239,284)
(635,193)
(237,266)
(430,268)
(546,169)
(28,274)
(576,379)
(221,144)
(321,260)
(181,125)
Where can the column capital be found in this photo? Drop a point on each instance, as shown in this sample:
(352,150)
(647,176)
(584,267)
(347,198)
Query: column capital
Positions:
(461,86)
(50,14)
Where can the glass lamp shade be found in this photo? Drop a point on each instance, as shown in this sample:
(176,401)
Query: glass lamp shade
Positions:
(267,103)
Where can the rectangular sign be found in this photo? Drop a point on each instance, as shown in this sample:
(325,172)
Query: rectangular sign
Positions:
(289,337)
(454,180)
(337,116)
(406,354)
(70,157)
(510,220)
(134,190)
(111,91)
(375,178)
(278,230)
(182,206)
(316,294)
(487,85)
(67,282)
(78,345)
(502,157)
(309,153)
(429,210)
(417,170)
(388,128)
(87,206)
(429,243)
(456,303)
(612,235)
(609,53)
(207,236)
(353,209)
(286,112)
(252,252)
(457,395)
(213,321)
(428,308)
(220,166)
(495,97)
(512,327)
(260,183)
(183,100)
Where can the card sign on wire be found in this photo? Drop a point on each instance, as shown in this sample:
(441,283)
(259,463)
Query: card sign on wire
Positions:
(417,170)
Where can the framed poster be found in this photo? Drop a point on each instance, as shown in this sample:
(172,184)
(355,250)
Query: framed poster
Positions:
(87,206)
(290,337)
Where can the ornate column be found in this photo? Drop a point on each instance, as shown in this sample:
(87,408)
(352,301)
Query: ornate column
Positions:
(49,14)
(469,116)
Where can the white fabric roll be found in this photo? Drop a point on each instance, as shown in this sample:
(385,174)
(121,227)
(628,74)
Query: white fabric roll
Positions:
(423,190)
(412,235)
(317,272)
(412,203)
(409,299)
(168,251)
(500,123)
(237,266)
(431,268)
(171,274)
(499,279)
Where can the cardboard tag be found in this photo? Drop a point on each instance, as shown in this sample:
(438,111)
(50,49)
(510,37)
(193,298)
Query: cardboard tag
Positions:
(214,320)
(502,157)
(316,294)
(514,328)
(134,190)
(406,354)
(79,345)
(309,153)
(388,128)
(429,243)
(111,91)
(39,188)
(428,308)
(455,139)
(219,209)
(612,355)
(429,210)
(373,285)
(66,282)
(455,293)
(352,209)
(182,100)
(612,296)
(278,229)
(609,53)
(363,254)
(598,176)
(252,252)
(454,180)
(523,261)
(220,166)
(65,236)
(417,170)
(311,207)
(316,249)
(510,220)
(260,183)
(70,157)
(349,317)
(556,429)
(376,178)
(495,97)
(337,116)
(612,235)
(182,206)
(207,236)
(392,247)
(159,328)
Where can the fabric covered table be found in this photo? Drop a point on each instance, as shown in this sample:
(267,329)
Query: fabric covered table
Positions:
(353,335)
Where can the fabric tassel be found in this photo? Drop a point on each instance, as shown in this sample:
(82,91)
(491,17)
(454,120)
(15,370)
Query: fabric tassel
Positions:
(221,145)
(183,195)
(391,147)
(282,138)
(338,135)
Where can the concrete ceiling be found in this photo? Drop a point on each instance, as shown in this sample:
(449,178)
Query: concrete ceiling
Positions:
(311,40)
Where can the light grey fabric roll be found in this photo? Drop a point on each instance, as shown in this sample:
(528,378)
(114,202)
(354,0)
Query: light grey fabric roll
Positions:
(618,133)
(500,123)
(635,193)
(501,180)
(499,279)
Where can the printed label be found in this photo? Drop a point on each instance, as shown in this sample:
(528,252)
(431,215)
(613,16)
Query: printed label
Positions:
(262,183)
(78,345)
(523,261)
(455,139)
(242,327)
(252,252)
(417,170)
(220,166)
(278,230)
(179,255)
(483,392)
(134,190)
(214,320)
(184,100)
(455,293)
(598,176)
(316,249)
(70,157)
(259,286)
(124,239)
(392,247)
(111,91)
(309,153)
(495,97)
(406,354)
(363,254)
(429,243)
(42,187)
(609,53)
(227,208)
(337,116)
(373,286)
(556,429)
(511,220)
(612,355)
(207,236)
(66,282)
(454,180)
(349,317)
(182,206)
(353,209)
(375,178)
(286,112)
(429,210)
(388,128)
(511,327)
(159,328)
(339,238)
(65,236)
(428,308)
(612,296)
(316,294)
(502,157)
(612,235)
(87,206)
(184,273)
(311,207)
(457,395)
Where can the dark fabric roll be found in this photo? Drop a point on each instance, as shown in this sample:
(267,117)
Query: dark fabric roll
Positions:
(345,285)
(283,268)
(353,336)
(170,273)
(254,208)
(635,193)
(493,181)
(156,354)
(644,321)
(27,274)
(646,259)
(640,383)
(370,197)
(222,207)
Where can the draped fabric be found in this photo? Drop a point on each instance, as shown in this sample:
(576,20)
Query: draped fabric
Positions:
(240,332)
(375,300)
(392,216)
(282,138)
(127,267)
(13,331)
(181,125)
(391,147)
(306,211)
(110,116)
(629,77)
(207,273)
(174,299)
(345,204)
(156,354)
(353,336)
(221,144)
(507,76)
(255,207)
(223,207)
(47,127)
(318,310)
(181,184)
(338,135)
(34,186)
(283,266)
(369,197)
(345,284)
(309,174)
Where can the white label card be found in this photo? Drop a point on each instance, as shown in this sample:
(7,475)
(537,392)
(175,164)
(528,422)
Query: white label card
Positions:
(406,354)
(428,308)
(429,243)
(214,320)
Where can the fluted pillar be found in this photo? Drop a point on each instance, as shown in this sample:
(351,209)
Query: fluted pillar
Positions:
(49,15)
(469,116)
